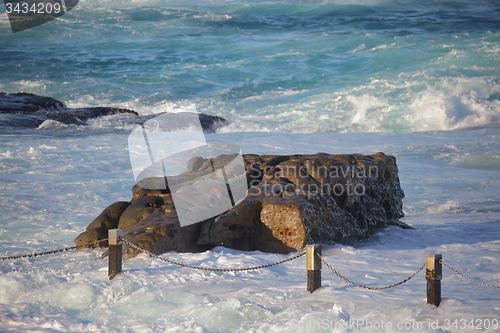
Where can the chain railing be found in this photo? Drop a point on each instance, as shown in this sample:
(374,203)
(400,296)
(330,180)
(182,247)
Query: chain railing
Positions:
(467,277)
(210,268)
(367,287)
(313,265)
(37,254)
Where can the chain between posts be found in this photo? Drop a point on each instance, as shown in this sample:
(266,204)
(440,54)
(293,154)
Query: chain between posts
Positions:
(469,278)
(208,268)
(366,287)
(32,255)
(302,253)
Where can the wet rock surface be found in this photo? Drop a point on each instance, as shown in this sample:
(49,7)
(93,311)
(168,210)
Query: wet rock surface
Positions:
(108,219)
(29,110)
(291,201)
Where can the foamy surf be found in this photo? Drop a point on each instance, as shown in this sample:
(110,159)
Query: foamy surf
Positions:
(417,66)
(416,79)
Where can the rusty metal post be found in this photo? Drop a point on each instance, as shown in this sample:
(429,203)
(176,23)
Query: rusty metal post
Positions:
(313,266)
(433,274)
(115,252)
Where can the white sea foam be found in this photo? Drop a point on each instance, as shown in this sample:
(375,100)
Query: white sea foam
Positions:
(281,69)
(447,104)
(395,81)
(53,198)
(120,121)
(53,125)
(481,161)
(31,85)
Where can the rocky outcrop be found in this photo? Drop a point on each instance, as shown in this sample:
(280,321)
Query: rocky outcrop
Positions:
(32,110)
(291,201)
(108,219)
(26,103)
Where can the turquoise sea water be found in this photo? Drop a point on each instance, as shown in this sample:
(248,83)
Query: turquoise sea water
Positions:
(282,66)
(419,80)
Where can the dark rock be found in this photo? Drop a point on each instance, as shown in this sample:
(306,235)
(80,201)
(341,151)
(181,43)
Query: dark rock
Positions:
(194,164)
(92,236)
(98,229)
(139,210)
(210,123)
(36,109)
(81,115)
(292,201)
(161,232)
(237,229)
(32,110)
(151,187)
(26,103)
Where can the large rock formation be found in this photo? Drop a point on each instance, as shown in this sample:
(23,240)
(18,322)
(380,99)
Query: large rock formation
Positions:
(29,110)
(291,201)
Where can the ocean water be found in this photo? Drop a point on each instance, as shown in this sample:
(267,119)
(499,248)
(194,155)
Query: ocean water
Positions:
(419,80)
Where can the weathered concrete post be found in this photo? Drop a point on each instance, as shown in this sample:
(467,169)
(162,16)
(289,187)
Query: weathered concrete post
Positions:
(433,274)
(313,266)
(115,252)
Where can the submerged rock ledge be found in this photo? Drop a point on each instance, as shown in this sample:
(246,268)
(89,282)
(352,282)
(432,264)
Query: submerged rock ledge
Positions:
(30,110)
(291,201)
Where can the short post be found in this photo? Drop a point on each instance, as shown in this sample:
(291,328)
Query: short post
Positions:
(115,252)
(313,266)
(433,274)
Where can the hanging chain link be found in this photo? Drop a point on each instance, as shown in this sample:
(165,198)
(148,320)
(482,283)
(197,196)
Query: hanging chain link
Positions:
(32,255)
(208,268)
(302,253)
(366,287)
(465,276)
